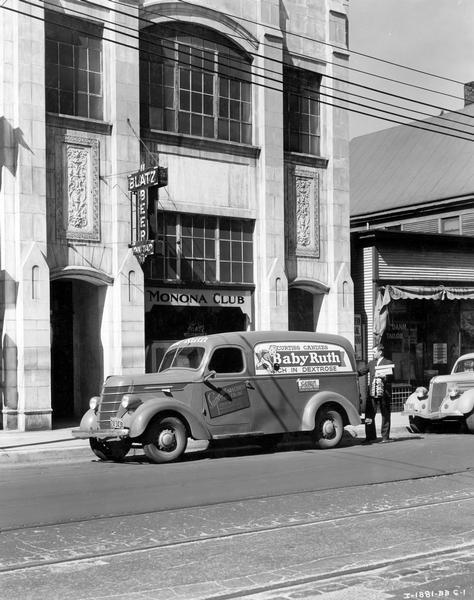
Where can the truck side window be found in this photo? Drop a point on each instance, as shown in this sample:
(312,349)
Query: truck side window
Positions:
(227,360)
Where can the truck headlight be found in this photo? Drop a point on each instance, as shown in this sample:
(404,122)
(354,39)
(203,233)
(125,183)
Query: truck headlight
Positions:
(94,402)
(130,402)
(421,392)
(454,392)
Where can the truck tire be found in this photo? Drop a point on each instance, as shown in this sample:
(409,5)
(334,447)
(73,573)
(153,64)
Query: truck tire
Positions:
(110,450)
(329,428)
(165,440)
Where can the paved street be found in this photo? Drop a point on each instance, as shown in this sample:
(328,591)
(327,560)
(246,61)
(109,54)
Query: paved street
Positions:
(356,522)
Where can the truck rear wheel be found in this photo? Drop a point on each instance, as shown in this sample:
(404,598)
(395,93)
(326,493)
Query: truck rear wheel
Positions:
(165,440)
(329,428)
(110,450)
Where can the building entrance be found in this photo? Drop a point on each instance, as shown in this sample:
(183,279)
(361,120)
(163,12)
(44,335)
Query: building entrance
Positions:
(77,365)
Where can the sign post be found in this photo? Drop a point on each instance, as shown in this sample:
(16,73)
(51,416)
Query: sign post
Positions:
(138,185)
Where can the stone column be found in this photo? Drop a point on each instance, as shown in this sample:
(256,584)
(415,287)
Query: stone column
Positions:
(272,292)
(24,301)
(125,351)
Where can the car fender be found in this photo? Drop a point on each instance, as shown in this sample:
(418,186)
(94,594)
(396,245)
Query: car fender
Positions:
(89,421)
(141,417)
(465,403)
(327,397)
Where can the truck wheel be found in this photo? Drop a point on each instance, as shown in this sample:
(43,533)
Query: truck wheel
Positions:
(328,429)
(418,424)
(113,450)
(165,440)
(470,422)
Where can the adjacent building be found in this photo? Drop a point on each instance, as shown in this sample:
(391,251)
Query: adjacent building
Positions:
(412,223)
(239,102)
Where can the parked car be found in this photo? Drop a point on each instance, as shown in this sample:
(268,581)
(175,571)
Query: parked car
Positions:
(252,385)
(449,398)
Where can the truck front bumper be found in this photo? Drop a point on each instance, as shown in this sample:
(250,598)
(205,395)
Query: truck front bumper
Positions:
(101,434)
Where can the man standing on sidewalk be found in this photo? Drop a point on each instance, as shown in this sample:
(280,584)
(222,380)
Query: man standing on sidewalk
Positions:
(379,394)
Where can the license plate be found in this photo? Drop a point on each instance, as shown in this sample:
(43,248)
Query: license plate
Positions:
(116,423)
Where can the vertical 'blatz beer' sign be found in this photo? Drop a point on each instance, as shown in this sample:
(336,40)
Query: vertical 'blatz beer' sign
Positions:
(138,185)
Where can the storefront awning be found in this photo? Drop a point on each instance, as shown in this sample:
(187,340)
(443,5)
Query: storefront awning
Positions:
(412,292)
(438,292)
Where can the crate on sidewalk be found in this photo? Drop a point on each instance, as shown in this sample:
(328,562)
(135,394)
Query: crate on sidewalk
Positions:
(400,392)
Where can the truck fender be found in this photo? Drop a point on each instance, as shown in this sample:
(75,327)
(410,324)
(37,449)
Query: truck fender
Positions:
(466,402)
(326,397)
(145,413)
(89,421)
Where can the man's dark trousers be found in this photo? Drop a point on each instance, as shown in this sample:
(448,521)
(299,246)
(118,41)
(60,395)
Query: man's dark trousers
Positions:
(370,410)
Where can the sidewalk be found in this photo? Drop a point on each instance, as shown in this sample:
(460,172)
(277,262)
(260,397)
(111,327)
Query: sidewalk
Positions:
(54,445)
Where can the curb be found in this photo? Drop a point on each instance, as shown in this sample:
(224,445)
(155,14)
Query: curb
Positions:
(69,450)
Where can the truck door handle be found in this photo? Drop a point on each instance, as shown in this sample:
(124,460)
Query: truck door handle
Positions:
(249,385)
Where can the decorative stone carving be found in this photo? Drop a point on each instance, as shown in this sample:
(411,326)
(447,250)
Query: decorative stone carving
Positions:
(302,209)
(77,198)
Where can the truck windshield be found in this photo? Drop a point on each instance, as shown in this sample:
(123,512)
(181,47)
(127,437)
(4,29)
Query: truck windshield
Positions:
(465,366)
(186,357)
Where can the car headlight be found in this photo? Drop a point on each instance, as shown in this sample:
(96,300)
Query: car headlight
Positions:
(94,402)
(130,402)
(454,392)
(421,392)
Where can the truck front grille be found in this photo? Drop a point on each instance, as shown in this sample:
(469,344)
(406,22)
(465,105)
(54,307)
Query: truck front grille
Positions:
(109,404)
(438,394)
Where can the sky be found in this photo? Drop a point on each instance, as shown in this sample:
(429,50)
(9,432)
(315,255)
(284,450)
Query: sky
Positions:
(434,36)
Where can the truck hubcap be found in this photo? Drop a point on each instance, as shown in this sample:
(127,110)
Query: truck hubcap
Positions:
(167,439)
(328,429)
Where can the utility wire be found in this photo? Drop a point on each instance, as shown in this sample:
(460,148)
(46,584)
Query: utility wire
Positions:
(411,124)
(442,109)
(343,48)
(411,100)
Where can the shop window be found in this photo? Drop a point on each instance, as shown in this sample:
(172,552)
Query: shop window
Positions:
(301,106)
(196,82)
(202,248)
(450,225)
(227,360)
(74,68)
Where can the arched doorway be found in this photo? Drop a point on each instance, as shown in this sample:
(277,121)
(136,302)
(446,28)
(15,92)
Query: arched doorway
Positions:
(304,304)
(77,363)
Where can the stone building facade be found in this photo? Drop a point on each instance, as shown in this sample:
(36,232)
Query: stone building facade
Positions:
(234,98)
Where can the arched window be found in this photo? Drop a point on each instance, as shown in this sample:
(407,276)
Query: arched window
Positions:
(196,82)
(131,286)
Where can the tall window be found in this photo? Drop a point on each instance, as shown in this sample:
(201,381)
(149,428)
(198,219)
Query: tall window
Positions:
(302,122)
(194,81)
(74,67)
(200,248)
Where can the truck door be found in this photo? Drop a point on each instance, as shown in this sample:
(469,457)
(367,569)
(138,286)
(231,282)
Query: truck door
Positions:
(226,400)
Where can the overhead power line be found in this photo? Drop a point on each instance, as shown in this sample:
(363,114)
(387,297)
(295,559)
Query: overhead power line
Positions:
(176,22)
(418,124)
(343,48)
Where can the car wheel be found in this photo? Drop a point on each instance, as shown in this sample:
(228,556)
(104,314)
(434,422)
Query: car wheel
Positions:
(418,424)
(110,450)
(165,440)
(470,422)
(328,429)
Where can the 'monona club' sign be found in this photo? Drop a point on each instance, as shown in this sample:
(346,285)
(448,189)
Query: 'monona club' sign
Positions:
(300,358)
(201,297)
